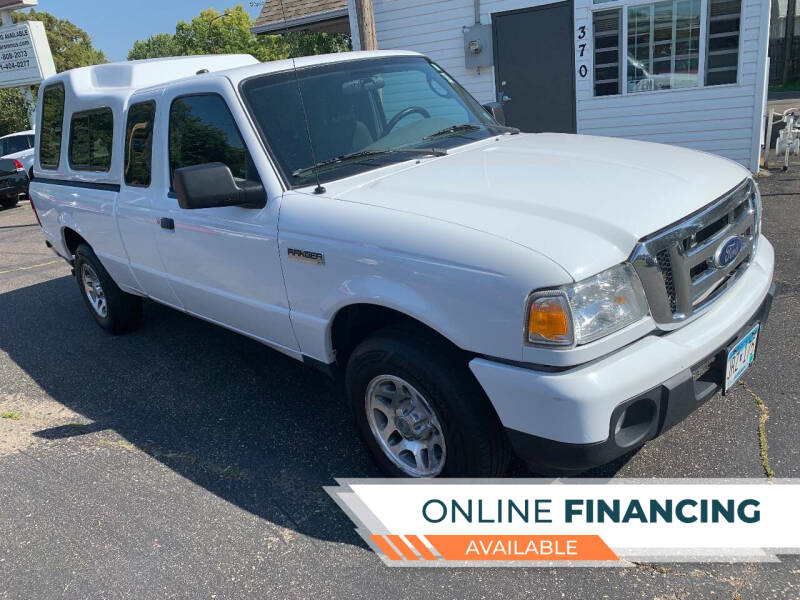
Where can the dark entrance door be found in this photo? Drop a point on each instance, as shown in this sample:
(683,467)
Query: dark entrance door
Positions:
(534,67)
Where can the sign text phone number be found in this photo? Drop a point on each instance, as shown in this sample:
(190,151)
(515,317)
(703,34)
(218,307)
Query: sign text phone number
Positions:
(14,55)
(15,65)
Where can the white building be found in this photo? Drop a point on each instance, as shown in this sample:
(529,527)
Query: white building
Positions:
(684,72)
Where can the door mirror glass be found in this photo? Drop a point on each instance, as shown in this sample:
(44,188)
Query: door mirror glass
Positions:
(496,110)
(212,185)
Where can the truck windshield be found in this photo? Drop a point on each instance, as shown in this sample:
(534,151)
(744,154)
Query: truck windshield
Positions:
(369,112)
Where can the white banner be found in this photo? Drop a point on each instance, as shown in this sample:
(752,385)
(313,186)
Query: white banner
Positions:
(573,521)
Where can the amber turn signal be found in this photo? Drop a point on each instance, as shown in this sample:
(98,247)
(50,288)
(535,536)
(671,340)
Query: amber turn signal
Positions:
(549,320)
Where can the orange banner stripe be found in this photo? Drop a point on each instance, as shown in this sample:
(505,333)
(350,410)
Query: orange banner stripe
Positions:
(521,547)
(398,542)
(385,547)
(420,546)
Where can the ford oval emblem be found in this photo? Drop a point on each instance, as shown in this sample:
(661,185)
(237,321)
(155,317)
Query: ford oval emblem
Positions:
(727,252)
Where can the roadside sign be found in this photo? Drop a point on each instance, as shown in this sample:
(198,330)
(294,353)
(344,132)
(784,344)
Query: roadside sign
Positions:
(17,4)
(25,57)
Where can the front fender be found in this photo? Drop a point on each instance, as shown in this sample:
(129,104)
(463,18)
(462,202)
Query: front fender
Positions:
(467,285)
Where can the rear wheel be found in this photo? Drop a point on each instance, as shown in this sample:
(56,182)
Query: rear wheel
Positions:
(9,202)
(114,310)
(419,410)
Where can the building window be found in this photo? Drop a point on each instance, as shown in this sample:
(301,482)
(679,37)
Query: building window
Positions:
(90,139)
(663,45)
(722,57)
(607,50)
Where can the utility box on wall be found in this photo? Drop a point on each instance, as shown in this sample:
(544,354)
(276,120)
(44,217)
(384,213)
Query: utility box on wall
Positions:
(478,50)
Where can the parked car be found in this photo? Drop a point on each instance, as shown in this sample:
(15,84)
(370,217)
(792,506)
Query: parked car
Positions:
(478,290)
(16,166)
(19,146)
(13,182)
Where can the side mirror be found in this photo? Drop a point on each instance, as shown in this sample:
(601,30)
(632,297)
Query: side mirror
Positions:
(212,184)
(496,110)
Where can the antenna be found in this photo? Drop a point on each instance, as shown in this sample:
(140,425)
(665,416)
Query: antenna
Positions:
(319,189)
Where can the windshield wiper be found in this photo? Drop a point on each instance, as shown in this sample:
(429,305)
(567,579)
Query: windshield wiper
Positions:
(344,158)
(464,127)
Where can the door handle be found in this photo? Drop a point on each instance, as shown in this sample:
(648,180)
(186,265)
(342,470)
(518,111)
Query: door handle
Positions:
(166,223)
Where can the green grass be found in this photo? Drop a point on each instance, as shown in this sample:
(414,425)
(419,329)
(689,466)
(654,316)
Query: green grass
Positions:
(10,414)
(792,86)
(762,431)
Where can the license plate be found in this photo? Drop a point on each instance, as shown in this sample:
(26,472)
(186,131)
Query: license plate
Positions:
(740,357)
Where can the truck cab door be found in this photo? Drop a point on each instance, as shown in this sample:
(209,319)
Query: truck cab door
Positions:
(136,215)
(222,262)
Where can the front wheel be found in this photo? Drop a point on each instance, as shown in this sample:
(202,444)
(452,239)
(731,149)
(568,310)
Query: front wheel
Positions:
(419,410)
(9,202)
(112,309)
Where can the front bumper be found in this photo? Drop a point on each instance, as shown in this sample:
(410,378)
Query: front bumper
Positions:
(568,420)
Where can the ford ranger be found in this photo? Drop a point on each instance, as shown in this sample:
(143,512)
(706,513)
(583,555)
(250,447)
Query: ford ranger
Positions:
(479,291)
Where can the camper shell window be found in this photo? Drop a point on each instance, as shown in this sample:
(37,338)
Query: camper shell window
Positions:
(90,140)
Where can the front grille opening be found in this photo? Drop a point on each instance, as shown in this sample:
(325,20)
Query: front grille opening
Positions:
(665,266)
(722,285)
(698,270)
(707,232)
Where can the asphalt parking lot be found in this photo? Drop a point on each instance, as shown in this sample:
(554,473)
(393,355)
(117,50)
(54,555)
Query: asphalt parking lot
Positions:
(185,461)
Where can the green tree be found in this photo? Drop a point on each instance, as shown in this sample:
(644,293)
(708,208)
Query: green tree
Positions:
(161,44)
(13,113)
(209,32)
(71,47)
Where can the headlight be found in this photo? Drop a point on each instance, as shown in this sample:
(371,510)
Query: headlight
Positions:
(587,310)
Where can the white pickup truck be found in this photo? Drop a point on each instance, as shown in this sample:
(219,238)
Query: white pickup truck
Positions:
(478,290)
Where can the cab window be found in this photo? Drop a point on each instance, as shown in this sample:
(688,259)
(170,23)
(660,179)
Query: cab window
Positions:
(51,126)
(202,130)
(139,144)
(90,141)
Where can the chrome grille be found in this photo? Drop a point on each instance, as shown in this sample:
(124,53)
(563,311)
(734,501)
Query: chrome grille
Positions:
(677,265)
(665,266)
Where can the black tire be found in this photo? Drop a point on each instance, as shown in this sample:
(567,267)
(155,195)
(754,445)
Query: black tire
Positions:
(9,202)
(476,444)
(123,310)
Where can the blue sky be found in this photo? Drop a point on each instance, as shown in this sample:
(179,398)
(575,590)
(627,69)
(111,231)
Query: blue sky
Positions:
(115,24)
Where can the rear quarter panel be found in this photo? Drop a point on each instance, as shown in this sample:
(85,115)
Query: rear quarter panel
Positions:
(90,213)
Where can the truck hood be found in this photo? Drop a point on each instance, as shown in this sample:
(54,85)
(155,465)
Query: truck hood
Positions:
(582,201)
